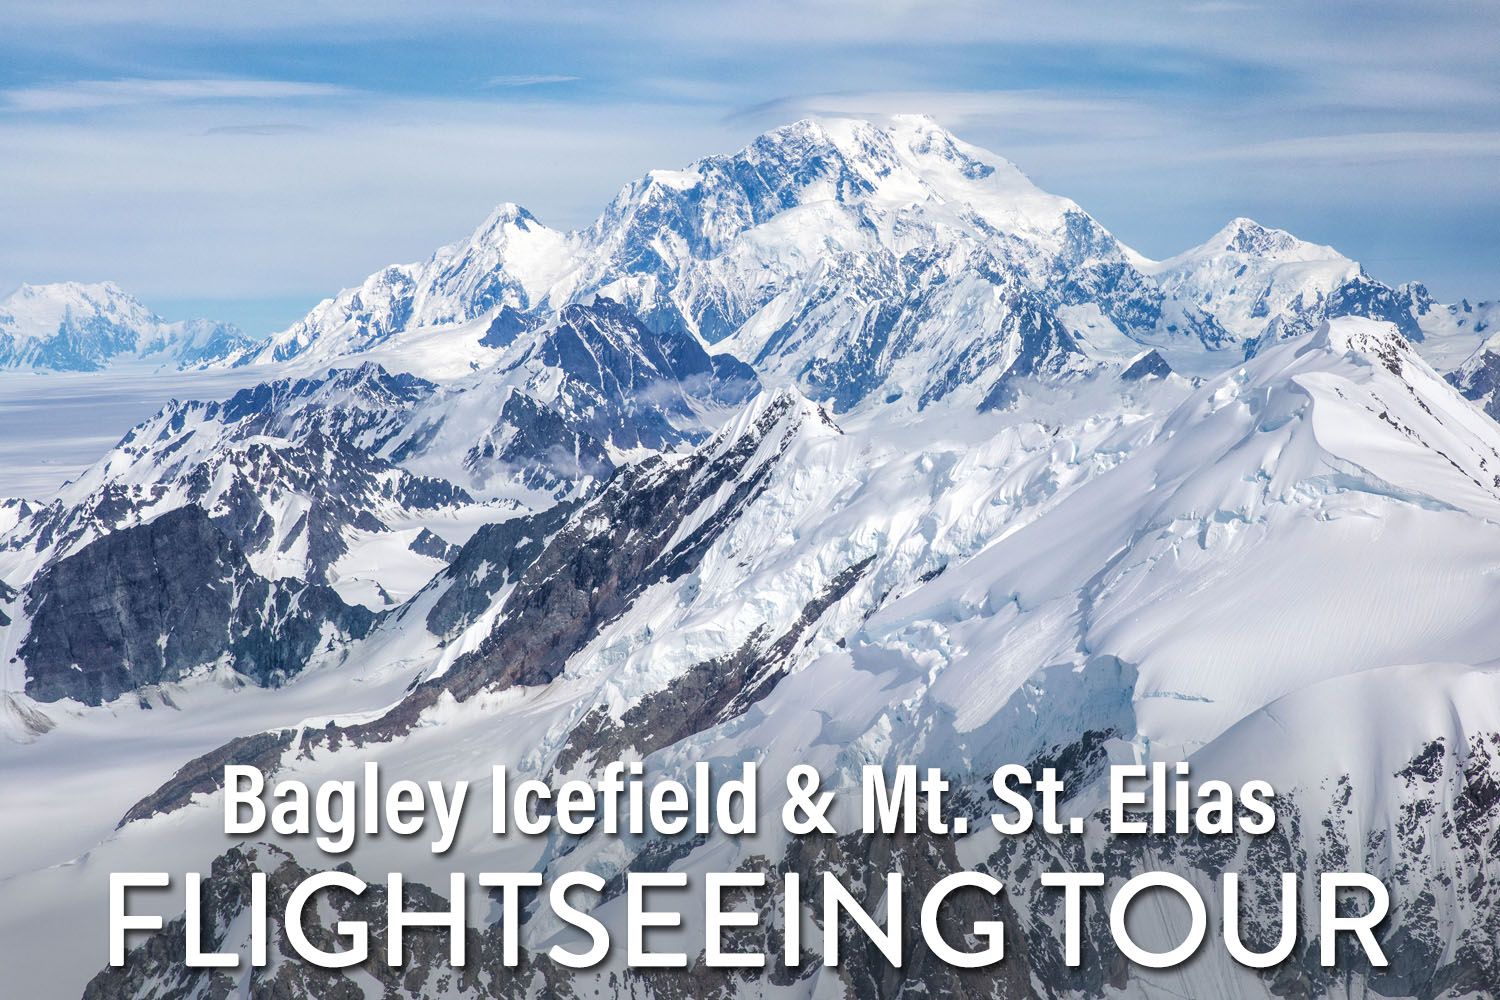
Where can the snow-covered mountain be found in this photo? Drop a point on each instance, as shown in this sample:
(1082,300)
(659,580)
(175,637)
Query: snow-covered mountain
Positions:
(79,327)
(851,447)
(287,471)
(1162,581)
(1265,284)
(840,254)
(846,255)
(336,478)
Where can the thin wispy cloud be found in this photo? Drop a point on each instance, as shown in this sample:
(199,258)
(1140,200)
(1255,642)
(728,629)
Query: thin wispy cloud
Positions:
(1218,7)
(82,95)
(1002,109)
(524,80)
(267,129)
(1396,89)
(1367,147)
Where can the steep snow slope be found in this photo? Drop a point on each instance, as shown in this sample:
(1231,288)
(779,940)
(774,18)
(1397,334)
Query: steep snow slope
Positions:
(1270,536)
(510,260)
(79,327)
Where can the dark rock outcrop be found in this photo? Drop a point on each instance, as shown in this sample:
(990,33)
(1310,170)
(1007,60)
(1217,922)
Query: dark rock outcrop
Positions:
(1147,366)
(1479,381)
(427,543)
(708,693)
(494,556)
(595,561)
(615,383)
(160,600)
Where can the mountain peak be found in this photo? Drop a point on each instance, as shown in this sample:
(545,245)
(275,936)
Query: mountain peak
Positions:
(836,197)
(785,252)
(1246,236)
(507,215)
(901,140)
(41,310)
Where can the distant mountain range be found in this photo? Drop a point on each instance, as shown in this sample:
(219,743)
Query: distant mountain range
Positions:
(851,447)
(79,327)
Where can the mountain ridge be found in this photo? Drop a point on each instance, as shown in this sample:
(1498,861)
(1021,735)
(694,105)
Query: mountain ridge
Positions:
(730,247)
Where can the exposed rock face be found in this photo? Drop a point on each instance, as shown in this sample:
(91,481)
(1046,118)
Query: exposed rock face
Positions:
(159,601)
(1147,366)
(8,595)
(204,774)
(633,380)
(508,324)
(595,382)
(429,544)
(344,488)
(1479,380)
(1365,297)
(493,557)
(564,574)
(360,405)
(290,469)
(1090,270)
(618,545)
(539,447)
(708,694)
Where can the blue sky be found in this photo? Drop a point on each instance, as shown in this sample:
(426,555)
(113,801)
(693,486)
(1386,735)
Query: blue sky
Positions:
(244,160)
